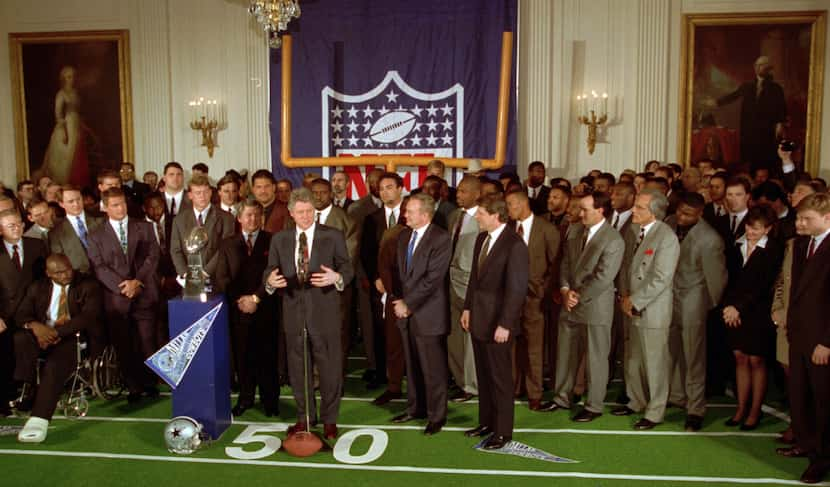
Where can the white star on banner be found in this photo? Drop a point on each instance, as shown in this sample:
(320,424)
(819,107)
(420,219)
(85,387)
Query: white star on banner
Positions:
(367,142)
(431,140)
(352,141)
(392,96)
(352,126)
(416,140)
(447,139)
(352,112)
(447,124)
(447,109)
(337,126)
(383,110)
(432,125)
(418,127)
(337,112)
(338,141)
(432,111)
(368,111)
(366,126)
(417,110)
(402,143)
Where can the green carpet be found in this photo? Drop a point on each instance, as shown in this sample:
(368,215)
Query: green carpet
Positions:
(80,452)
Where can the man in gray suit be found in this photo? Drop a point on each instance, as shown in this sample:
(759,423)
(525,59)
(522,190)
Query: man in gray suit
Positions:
(464,230)
(698,285)
(645,285)
(71,236)
(218,224)
(591,259)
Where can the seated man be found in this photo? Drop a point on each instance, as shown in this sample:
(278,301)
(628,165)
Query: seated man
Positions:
(51,312)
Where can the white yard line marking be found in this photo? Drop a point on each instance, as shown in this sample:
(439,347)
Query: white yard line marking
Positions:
(397,427)
(410,469)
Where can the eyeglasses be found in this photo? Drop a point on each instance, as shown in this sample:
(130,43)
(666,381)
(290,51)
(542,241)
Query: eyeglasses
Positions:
(12,226)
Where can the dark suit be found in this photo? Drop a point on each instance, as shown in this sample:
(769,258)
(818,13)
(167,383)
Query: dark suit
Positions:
(724,227)
(13,284)
(442,214)
(539,204)
(64,240)
(543,250)
(185,205)
(710,216)
(315,308)
(759,115)
(131,322)
(218,224)
(136,192)
(84,303)
(276,217)
(422,286)
(495,296)
(807,327)
(254,336)
(347,202)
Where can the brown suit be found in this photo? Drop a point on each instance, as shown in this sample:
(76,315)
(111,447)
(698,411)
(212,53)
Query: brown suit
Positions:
(386,273)
(543,248)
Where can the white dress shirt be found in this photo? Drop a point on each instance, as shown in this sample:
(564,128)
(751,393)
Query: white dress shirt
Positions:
(419,234)
(10,250)
(624,216)
(204,214)
(494,236)
(323,214)
(647,227)
(744,243)
(178,197)
(818,240)
(526,225)
(73,220)
(593,231)
(116,226)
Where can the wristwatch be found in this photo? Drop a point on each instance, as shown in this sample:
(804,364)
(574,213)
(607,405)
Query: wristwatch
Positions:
(255,298)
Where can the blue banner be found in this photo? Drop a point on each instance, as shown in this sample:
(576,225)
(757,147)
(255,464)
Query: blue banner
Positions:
(395,76)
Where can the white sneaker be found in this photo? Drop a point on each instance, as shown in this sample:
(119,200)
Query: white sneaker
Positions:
(34,431)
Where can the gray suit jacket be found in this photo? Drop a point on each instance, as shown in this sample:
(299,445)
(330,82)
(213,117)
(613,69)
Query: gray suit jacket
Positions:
(64,240)
(701,273)
(461,262)
(339,219)
(591,273)
(648,274)
(219,225)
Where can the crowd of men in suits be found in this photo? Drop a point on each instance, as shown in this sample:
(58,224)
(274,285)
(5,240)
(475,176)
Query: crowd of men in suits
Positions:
(672,280)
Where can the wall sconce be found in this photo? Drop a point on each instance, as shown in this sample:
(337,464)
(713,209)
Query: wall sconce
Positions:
(588,115)
(207,117)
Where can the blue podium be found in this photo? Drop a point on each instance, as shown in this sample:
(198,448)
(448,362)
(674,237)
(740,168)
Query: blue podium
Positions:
(204,392)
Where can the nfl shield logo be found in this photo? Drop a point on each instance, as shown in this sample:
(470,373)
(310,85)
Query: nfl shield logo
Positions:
(393,118)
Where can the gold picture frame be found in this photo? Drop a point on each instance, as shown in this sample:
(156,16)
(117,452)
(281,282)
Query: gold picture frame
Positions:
(72,102)
(733,42)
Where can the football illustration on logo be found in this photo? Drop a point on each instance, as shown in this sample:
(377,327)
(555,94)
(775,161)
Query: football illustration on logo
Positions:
(392,127)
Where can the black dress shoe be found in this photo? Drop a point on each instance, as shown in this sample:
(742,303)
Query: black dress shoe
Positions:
(644,424)
(368,375)
(733,421)
(133,397)
(462,397)
(406,417)
(495,442)
(386,397)
(815,472)
(586,416)
(376,383)
(622,411)
(549,406)
(791,452)
(271,410)
(240,409)
(478,431)
(747,426)
(693,422)
(434,428)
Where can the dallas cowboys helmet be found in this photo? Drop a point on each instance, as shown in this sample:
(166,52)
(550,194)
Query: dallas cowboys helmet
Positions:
(183,435)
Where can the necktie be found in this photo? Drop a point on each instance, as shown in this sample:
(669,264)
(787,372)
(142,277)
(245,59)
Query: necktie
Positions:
(810,250)
(534,193)
(734,225)
(640,238)
(173,206)
(482,256)
(392,219)
(410,249)
(681,233)
(338,203)
(319,213)
(16,258)
(122,236)
(82,231)
(457,233)
(520,229)
(249,242)
(616,221)
(303,263)
(63,308)
(160,232)
(585,239)
(44,235)
(201,220)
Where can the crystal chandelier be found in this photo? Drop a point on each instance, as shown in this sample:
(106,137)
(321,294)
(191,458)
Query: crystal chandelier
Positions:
(274,16)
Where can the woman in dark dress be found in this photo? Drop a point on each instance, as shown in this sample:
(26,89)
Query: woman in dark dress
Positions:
(753,264)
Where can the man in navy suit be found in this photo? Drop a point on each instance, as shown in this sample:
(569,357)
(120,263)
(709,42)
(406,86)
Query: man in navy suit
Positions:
(421,304)
(124,254)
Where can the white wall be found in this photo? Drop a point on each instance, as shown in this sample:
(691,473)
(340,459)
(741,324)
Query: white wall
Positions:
(631,49)
(179,49)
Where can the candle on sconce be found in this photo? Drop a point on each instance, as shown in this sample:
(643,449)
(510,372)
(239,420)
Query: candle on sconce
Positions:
(594,101)
(579,104)
(584,109)
(605,104)
(191,110)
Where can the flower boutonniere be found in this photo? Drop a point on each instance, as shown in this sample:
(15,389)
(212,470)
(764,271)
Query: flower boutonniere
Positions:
(649,251)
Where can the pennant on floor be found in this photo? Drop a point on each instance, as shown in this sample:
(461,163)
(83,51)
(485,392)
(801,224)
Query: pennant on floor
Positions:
(521,450)
(172,360)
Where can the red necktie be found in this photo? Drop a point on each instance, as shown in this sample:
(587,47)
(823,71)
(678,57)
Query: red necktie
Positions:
(250,243)
(520,229)
(16,258)
(810,250)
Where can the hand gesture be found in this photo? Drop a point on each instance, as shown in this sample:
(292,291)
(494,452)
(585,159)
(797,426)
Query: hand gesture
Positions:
(276,280)
(326,278)
(502,334)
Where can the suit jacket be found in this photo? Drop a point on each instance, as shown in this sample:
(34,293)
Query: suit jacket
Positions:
(64,240)
(461,263)
(752,285)
(623,229)
(543,252)
(218,224)
(539,204)
(701,277)
(442,214)
(591,273)
(35,231)
(136,192)
(277,217)
(374,227)
(318,308)
(239,274)
(185,206)
(339,219)
(807,323)
(13,283)
(496,295)
(783,284)
(422,285)
(346,204)
(784,228)
(710,216)
(83,300)
(648,274)
(724,227)
(112,266)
